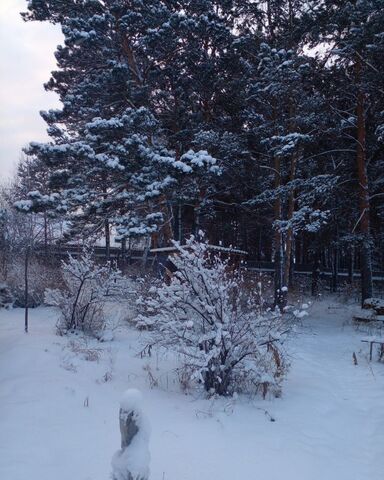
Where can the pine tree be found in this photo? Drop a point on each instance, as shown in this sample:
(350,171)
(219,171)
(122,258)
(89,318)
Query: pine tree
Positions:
(179,115)
(352,33)
(286,113)
(108,159)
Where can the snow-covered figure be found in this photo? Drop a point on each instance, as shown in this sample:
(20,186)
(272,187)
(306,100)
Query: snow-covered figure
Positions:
(132,461)
(217,325)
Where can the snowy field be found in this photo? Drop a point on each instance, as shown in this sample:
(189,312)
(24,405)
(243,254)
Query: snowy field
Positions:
(59,409)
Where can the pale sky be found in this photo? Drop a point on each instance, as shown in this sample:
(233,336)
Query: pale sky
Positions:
(26,60)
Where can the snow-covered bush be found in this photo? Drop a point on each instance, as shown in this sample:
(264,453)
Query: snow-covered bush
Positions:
(87,288)
(217,326)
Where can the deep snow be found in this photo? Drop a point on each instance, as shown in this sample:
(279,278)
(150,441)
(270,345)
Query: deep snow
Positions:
(59,409)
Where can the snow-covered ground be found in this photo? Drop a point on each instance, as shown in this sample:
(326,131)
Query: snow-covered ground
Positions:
(59,409)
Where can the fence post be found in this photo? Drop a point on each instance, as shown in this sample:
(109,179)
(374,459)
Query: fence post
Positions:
(131,462)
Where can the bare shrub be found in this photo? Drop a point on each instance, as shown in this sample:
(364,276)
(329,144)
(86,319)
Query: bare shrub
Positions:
(88,353)
(87,288)
(43,275)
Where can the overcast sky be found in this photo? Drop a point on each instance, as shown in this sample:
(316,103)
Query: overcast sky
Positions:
(26,60)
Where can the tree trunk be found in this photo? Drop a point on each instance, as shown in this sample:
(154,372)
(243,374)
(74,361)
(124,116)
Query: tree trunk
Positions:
(280,298)
(145,254)
(45,235)
(123,250)
(350,260)
(315,273)
(26,290)
(292,267)
(289,234)
(364,203)
(179,224)
(335,260)
(107,240)
(270,21)
(335,269)
(130,250)
(131,60)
